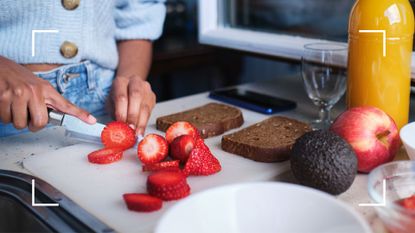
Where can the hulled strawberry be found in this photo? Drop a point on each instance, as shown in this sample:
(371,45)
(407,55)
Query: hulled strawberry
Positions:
(201,162)
(168,185)
(152,149)
(105,155)
(181,147)
(181,128)
(162,166)
(118,135)
(142,202)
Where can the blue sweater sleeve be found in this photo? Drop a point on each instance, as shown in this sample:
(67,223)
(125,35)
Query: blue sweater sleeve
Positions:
(139,19)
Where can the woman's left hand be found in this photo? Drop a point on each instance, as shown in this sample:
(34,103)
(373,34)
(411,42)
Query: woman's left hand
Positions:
(133,101)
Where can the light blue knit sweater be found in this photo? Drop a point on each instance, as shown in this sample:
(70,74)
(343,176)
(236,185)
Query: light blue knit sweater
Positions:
(94,26)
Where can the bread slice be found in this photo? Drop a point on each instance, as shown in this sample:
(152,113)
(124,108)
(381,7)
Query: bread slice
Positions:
(211,119)
(268,141)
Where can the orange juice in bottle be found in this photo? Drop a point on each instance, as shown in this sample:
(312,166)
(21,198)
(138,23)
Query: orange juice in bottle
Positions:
(380,49)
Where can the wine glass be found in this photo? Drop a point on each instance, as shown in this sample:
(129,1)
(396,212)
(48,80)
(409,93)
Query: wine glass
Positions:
(324,74)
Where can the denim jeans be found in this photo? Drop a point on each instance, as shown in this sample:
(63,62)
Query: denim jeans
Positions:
(85,84)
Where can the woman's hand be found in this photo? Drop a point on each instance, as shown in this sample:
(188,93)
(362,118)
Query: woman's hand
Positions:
(131,94)
(22,93)
(133,101)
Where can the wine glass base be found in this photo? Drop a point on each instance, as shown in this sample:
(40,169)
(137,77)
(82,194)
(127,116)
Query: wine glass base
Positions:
(319,124)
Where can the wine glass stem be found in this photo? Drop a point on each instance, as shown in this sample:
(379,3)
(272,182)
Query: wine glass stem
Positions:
(325,116)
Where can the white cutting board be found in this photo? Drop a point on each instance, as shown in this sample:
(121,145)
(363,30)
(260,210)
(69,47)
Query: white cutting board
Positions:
(99,188)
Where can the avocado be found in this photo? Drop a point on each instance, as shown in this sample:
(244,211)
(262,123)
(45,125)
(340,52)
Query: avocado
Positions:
(325,161)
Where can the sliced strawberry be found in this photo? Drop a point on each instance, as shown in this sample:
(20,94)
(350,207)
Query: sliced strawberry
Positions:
(168,185)
(409,203)
(173,194)
(180,128)
(201,162)
(118,134)
(105,155)
(200,143)
(181,146)
(152,149)
(142,202)
(162,166)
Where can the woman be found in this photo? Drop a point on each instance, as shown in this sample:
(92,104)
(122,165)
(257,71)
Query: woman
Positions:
(88,50)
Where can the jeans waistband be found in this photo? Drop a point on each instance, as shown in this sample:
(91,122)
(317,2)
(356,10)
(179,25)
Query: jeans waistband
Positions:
(64,73)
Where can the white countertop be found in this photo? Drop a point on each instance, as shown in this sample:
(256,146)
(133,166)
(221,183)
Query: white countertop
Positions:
(16,148)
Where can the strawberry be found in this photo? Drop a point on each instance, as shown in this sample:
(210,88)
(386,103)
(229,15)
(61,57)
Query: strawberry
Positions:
(118,134)
(181,146)
(180,128)
(201,162)
(168,185)
(165,166)
(105,155)
(142,202)
(409,203)
(200,143)
(152,149)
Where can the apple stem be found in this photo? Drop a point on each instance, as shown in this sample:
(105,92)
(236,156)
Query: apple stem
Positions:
(383,136)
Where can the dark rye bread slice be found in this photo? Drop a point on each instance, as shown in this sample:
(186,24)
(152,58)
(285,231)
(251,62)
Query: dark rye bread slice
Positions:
(211,119)
(268,141)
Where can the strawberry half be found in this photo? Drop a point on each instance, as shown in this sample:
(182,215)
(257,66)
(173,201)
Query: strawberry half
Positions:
(142,202)
(162,166)
(118,134)
(201,162)
(181,128)
(409,203)
(181,147)
(200,143)
(168,185)
(152,149)
(105,155)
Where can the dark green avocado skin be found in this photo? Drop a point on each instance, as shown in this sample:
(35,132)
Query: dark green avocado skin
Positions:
(323,160)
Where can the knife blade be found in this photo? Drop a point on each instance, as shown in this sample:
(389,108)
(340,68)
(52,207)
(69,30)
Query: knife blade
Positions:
(75,128)
(79,130)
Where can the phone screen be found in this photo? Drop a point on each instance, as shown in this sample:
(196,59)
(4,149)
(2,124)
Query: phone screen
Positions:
(253,100)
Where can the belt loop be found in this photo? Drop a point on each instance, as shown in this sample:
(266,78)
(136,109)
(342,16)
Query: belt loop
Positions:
(90,71)
(60,84)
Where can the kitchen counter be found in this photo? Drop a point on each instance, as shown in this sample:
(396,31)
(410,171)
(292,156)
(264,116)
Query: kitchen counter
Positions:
(16,148)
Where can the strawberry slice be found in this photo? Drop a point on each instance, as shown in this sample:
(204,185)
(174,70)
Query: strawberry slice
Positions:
(105,155)
(152,149)
(162,166)
(168,185)
(118,134)
(181,147)
(200,143)
(142,202)
(408,203)
(180,128)
(201,162)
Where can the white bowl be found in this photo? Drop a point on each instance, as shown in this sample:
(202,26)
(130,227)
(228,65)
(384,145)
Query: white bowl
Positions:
(261,207)
(408,139)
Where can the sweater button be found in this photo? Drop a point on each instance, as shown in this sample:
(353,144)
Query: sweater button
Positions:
(70,4)
(69,49)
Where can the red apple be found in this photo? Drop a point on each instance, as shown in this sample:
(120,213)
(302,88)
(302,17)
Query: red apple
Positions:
(372,134)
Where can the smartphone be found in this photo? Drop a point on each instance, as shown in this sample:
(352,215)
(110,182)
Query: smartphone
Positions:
(253,101)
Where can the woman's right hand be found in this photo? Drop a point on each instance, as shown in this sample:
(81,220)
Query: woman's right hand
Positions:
(23,93)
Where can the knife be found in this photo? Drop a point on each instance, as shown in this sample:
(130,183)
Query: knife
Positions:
(75,128)
(79,130)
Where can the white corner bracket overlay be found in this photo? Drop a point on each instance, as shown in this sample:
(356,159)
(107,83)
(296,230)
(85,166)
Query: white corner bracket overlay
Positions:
(377,204)
(34,31)
(40,204)
(383,37)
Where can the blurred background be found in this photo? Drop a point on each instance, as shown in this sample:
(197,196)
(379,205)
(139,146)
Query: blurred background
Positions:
(182,66)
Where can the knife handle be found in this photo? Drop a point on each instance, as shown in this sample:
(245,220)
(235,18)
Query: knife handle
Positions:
(55,117)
